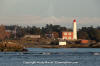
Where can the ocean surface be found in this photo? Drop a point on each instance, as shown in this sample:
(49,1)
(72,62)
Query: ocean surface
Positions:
(52,57)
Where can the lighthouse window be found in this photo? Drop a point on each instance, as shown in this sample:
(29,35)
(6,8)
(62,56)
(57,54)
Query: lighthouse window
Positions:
(65,33)
(69,33)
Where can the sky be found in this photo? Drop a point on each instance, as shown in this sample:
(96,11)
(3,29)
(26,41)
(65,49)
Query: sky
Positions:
(42,12)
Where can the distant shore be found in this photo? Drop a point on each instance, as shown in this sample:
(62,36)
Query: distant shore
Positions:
(22,44)
(11,47)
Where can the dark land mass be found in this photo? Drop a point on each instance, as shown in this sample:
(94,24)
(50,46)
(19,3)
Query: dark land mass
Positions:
(12,37)
(20,45)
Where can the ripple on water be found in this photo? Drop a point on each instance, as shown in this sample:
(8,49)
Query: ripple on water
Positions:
(87,58)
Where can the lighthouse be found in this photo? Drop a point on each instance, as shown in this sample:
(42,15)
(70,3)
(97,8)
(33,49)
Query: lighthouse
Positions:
(74,30)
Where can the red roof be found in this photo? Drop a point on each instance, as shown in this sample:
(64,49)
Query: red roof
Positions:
(74,20)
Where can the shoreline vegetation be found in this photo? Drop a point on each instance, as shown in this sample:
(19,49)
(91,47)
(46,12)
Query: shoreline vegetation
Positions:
(11,47)
(22,44)
(16,38)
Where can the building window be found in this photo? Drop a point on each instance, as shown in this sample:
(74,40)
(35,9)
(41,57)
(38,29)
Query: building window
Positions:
(65,33)
(69,38)
(65,37)
(69,33)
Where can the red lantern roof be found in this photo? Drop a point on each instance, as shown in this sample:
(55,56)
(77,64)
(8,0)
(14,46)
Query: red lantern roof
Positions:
(74,20)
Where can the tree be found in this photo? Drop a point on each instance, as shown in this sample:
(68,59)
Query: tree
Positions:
(3,33)
(97,35)
(83,35)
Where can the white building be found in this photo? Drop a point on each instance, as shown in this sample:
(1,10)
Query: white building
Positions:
(32,36)
(62,43)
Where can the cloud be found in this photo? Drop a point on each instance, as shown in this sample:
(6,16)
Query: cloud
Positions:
(41,21)
(95,21)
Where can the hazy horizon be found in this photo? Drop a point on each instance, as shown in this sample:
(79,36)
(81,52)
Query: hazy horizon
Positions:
(41,12)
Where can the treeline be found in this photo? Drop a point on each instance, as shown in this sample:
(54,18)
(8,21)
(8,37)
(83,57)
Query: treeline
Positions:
(21,31)
(89,33)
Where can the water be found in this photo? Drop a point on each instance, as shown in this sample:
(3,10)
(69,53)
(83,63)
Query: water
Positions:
(52,57)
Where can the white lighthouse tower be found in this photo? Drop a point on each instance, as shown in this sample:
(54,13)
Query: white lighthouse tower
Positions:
(74,30)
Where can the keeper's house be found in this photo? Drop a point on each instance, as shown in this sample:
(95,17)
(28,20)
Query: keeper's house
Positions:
(67,35)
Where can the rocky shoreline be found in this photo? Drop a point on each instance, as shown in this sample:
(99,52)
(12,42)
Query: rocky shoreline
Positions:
(11,47)
(21,45)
